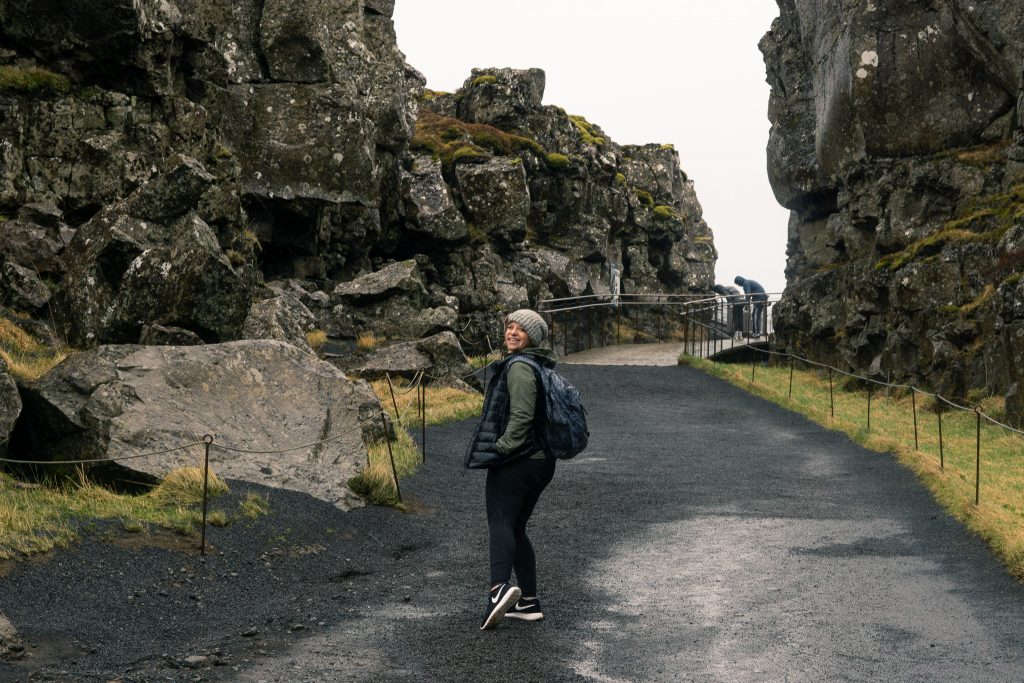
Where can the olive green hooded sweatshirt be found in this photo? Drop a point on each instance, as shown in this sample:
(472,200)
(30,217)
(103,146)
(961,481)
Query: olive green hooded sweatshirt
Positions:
(522,396)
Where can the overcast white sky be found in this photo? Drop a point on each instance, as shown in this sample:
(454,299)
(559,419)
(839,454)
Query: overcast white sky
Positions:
(686,72)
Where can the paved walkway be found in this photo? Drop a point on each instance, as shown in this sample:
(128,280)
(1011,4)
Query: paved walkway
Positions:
(645,354)
(705,535)
(628,354)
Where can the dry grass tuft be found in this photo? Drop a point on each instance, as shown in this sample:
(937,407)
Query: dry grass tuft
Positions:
(368,341)
(443,404)
(185,486)
(316,339)
(27,360)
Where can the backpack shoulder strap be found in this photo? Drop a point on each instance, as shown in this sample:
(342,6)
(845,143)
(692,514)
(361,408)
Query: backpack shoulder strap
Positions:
(524,359)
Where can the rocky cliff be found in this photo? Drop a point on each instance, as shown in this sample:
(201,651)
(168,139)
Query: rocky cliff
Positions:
(897,142)
(176,172)
(278,135)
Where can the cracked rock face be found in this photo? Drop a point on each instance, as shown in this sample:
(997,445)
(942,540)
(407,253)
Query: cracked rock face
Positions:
(151,259)
(116,401)
(897,142)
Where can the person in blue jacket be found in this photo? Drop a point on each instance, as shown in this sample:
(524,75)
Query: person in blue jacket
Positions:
(757,298)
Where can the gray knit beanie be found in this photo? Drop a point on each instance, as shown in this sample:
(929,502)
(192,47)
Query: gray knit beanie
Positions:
(531,322)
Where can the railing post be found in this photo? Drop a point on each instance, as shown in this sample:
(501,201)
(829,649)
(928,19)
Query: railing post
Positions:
(977,458)
(391,388)
(590,329)
(577,345)
(942,457)
(913,403)
(831,399)
(618,323)
(790,378)
(391,455)
(871,387)
(207,440)
(422,391)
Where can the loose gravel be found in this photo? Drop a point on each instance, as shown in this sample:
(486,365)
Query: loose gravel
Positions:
(705,535)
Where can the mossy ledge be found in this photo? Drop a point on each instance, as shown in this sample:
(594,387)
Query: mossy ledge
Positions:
(32,81)
(452,140)
(984,220)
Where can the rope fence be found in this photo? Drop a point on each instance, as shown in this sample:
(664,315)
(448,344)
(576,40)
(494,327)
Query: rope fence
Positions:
(208,442)
(914,392)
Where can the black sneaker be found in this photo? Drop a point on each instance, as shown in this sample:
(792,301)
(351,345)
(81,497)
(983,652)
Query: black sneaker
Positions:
(527,610)
(498,602)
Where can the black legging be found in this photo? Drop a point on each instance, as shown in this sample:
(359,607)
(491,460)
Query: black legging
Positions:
(512,492)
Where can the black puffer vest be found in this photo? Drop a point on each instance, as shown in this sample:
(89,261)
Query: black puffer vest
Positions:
(482,452)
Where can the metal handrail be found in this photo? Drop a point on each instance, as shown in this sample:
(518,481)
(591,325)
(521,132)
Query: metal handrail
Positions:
(657,315)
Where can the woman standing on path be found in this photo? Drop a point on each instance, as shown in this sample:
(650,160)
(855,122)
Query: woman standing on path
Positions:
(506,443)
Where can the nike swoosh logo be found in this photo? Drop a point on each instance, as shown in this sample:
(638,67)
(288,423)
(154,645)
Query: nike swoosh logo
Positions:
(494,600)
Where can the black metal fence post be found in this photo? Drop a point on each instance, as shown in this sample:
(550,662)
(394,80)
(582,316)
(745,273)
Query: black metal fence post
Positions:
(590,328)
(577,345)
(977,457)
(207,440)
(870,391)
(423,417)
(942,457)
(790,378)
(913,403)
(831,399)
(391,455)
(394,402)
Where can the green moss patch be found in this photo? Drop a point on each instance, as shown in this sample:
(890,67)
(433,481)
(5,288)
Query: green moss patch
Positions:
(588,133)
(32,80)
(664,213)
(486,79)
(985,220)
(556,160)
(447,139)
(645,197)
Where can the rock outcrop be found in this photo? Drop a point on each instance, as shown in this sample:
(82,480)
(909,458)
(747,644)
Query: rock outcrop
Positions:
(123,401)
(898,144)
(548,201)
(185,174)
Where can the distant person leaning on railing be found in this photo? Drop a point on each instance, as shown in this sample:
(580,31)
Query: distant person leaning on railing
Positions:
(757,298)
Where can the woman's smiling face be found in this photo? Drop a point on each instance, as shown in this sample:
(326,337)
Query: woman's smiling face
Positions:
(516,338)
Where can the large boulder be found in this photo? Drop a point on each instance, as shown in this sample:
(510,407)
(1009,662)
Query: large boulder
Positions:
(10,404)
(391,303)
(151,259)
(428,202)
(123,401)
(282,317)
(496,197)
(440,356)
(402,278)
(501,97)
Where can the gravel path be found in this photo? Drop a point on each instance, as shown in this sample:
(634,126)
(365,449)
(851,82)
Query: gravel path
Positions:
(706,535)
